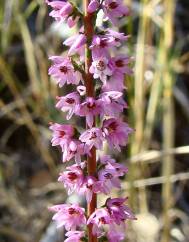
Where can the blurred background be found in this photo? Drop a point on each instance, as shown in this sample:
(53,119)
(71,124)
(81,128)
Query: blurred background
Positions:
(158,97)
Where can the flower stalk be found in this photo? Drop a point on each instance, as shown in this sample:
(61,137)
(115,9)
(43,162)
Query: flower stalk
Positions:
(90,92)
(91,59)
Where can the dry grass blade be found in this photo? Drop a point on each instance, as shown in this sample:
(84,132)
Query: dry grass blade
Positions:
(30,55)
(8,111)
(183,100)
(139,96)
(43,70)
(152,156)
(168,118)
(153,102)
(159,180)
(10,81)
(8,8)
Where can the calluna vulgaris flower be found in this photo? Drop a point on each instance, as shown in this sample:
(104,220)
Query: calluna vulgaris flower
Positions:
(93,55)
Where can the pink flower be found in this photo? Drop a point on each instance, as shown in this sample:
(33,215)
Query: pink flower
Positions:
(108,179)
(93,6)
(106,159)
(76,44)
(118,210)
(116,233)
(92,137)
(113,103)
(101,45)
(72,20)
(81,90)
(115,83)
(114,9)
(116,36)
(63,71)
(89,109)
(100,69)
(119,67)
(71,216)
(120,64)
(74,236)
(75,149)
(68,103)
(72,178)
(62,133)
(116,132)
(120,169)
(61,10)
(111,165)
(99,219)
(89,187)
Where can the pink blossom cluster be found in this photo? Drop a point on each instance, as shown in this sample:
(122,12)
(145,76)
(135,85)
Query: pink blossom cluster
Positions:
(108,70)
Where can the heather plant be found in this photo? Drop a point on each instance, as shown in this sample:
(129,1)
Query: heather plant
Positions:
(95,71)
